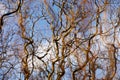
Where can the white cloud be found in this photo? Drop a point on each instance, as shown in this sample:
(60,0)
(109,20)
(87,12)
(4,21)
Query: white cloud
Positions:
(2,9)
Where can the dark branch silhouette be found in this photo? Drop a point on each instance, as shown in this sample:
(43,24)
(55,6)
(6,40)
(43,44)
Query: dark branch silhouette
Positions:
(9,13)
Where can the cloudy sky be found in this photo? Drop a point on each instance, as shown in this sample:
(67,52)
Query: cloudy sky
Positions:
(2,9)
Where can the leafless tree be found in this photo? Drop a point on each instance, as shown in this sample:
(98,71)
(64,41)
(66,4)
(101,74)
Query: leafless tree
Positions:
(60,40)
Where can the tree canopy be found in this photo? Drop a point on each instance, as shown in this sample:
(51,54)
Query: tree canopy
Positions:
(59,39)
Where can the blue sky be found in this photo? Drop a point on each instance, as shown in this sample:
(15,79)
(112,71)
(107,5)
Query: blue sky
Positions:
(42,30)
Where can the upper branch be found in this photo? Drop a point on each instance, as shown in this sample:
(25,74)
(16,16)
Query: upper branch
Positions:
(9,13)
